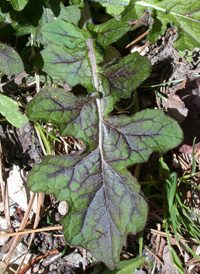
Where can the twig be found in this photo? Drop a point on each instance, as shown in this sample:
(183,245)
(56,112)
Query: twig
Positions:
(18,235)
(143,47)
(137,39)
(4,189)
(155,256)
(163,234)
(32,262)
(40,203)
(37,79)
(84,259)
(31,231)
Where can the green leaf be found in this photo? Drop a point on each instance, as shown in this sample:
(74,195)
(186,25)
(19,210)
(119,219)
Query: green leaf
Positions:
(71,65)
(185,16)
(126,266)
(127,74)
(70,14)
(10,109)
(66,34)
(73,53)
(104,198)
(18,4)
(113,7)
(10,60)
(51,11)
(110,31)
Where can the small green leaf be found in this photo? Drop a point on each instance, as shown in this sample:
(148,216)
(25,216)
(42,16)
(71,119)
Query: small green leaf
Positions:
(64,33)
(113,7)
(110,31)
(71,65)
(104,198)
(18,4)
(51,11)
(184,16)
(127,74)
(126,266)
(71,14)
(74,52)
(10,60)
(10,109)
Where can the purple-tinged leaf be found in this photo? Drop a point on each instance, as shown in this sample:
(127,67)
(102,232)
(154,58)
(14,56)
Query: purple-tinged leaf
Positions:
(104,198)
(127,74)
(110,31)
(11,62)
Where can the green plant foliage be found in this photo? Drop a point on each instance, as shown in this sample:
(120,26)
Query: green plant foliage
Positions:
(105,202)
(126,267)
(104,198)
(183,15)
(110,31)
(10,109)
(18,4)
(10,60)
(113,7)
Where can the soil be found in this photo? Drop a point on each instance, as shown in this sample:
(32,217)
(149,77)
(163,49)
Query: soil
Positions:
(21,148)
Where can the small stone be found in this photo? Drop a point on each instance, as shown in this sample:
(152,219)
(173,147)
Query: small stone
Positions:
(1,207)
(74,259)
(17,190)
(3,229)
(63,208)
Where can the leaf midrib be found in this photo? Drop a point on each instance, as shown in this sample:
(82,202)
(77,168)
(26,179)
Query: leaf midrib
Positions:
(142,3)
(92,58)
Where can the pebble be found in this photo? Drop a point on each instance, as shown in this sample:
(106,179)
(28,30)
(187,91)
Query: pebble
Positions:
(63,208)
(74,259)
(3,229)
(17,190)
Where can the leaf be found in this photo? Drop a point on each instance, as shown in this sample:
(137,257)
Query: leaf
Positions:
(127,74)
(113,7)
(51,11)
(18,4)
(126,266)
(110,31)
(72,54)
(71,65)
(10,109)
(104,198)
(66,34)
(185,17)
(70,14)
(11,62)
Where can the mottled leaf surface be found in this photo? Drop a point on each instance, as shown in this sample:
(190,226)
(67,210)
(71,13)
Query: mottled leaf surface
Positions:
(104,198)
(10,60)
(74,66)
(66,34)
(110,31)
(52,11)
(72,52)
(184,15)
(127,74)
